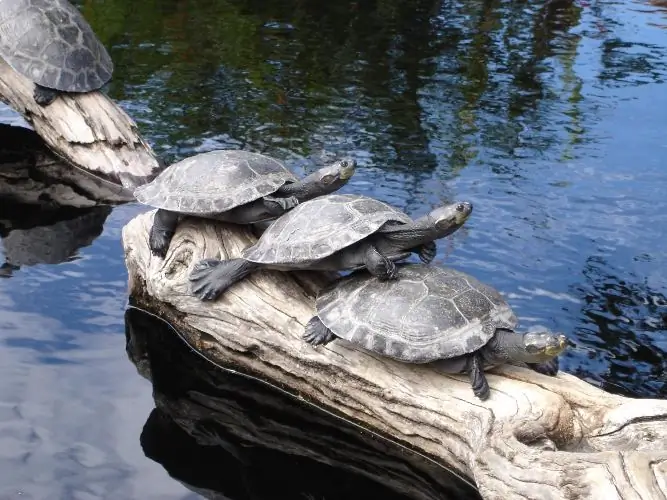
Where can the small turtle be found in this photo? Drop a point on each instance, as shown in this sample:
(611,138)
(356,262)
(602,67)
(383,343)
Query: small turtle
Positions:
(335,232)
(431,315)
(51,43)
(234,186)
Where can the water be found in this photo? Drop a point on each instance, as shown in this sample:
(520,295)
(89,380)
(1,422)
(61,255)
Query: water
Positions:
(549,118)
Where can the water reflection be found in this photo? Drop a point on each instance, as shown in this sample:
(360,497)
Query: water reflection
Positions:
(220,433)
(623,328)
(47,209)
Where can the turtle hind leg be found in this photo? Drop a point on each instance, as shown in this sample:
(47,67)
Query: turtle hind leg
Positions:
(480,386)
(162,231)
(317,333)
(547,368)
(211,277)
(44,96)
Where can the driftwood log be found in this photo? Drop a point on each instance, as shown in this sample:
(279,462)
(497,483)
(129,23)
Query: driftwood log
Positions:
(239,424)
(31,174)
(48,210)
(89,131)
(536,437)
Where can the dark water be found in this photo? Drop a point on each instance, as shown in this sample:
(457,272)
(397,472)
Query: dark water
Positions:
(549,118)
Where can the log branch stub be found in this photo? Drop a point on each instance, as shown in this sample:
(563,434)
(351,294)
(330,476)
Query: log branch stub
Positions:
(89,131)
(536,437)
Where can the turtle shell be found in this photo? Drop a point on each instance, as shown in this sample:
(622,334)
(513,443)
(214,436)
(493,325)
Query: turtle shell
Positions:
(51,43)
(428,313)
(319,227)
(214,182)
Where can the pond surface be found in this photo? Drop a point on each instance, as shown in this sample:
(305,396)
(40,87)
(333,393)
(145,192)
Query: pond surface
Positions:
(549,118)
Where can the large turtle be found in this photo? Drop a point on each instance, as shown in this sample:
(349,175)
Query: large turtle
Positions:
(51,43)
(335,232)
(234,186)
(431,315)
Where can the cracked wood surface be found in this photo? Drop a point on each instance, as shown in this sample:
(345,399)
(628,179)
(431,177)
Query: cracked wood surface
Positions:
(89,131)
(537,437)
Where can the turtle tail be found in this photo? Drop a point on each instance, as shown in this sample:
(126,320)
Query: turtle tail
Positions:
(211,277)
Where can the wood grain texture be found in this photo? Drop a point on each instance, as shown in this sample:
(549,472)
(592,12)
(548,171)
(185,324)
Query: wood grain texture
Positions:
(536,437)
(89,131)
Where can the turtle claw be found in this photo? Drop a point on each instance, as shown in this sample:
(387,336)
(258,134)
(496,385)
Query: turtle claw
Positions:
(159,242)
(549,368)
(317,333)
(278,206)
(392,271)
(162,232)
(209,278)
(480,386)
(44,96)
(427,252)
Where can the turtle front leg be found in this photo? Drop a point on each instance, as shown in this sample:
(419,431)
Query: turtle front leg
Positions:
(162,231)
(547,368)
(278,206)
(426,252)
(480,386)
(317,333)
(378,264)
(43,95)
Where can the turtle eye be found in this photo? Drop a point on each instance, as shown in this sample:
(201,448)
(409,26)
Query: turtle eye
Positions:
(327,179)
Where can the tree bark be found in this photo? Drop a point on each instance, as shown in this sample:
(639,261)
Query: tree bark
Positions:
(89,131)
(536,437)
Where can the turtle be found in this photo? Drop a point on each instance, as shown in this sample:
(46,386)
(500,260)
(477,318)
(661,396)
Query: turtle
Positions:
(336,232)
(436,315)
(231,185)
(51,43)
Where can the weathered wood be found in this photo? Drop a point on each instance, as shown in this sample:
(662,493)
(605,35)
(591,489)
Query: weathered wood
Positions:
(88,130)
(213,407)
(536,437)
(30,173)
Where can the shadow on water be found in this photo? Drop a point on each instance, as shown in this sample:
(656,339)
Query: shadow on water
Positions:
(222,433)
(48,210)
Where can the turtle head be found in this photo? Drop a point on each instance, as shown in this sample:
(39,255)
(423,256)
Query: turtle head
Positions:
(326,180)
(449,218)
(542,346)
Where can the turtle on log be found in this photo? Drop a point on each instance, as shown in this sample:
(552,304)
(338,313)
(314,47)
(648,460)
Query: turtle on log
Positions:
(234,186)
(51,43)
(336,232)
(439,316)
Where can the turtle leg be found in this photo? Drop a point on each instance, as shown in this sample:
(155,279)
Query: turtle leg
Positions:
(426,252)
(547,368)
(278,206)
(162,231)
(43,95)
(480,386)
(378,264)
(210,277)
(316,333)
